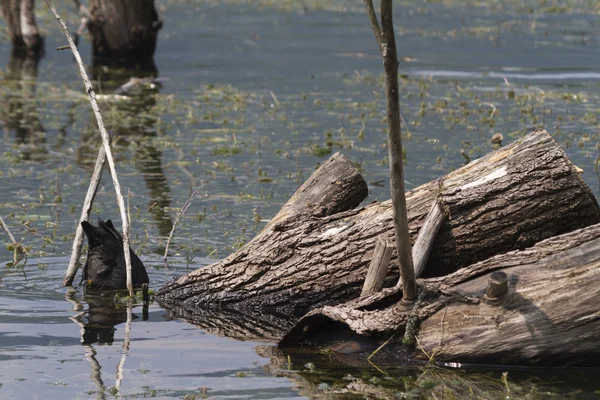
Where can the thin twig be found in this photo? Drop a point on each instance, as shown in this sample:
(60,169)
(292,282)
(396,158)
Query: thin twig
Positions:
(179,216)
(374,23)
(125,347)
(7,230)
(19,251)
(381,347)
(105,142)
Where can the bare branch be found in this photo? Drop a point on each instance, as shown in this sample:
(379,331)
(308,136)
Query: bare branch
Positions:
(177,219)
(374,23)
(390,64)
(105,143)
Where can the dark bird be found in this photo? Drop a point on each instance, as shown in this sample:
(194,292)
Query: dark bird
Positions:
(105,264)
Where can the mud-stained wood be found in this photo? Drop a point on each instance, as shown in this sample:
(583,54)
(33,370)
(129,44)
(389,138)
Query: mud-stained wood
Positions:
(316,256)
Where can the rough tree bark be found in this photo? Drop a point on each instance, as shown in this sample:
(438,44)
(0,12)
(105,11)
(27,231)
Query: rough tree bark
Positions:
(549,314)
(21,26)
(316,251)
(124,33)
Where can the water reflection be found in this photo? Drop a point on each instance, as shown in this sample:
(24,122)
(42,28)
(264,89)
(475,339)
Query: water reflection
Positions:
(104,312)
(327,373)
(128,101)
(18,105)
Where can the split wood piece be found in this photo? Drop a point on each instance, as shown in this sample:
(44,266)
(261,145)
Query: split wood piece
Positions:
(532,323)
(379,267)
(382,255)
(306,258)
(105,142)
(424,243)
(74,263)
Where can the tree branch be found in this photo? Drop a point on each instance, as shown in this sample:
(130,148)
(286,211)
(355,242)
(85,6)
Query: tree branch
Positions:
(105,143)
(390,64)
(374,23)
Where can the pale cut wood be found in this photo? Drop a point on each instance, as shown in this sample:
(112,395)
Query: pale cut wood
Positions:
(426,238)
(378,268)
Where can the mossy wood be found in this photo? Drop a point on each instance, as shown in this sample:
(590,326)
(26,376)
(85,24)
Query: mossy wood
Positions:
(317,249)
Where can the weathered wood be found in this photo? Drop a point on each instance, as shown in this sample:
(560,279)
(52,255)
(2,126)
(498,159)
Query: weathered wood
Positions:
(549,314)
(378,268)
(123,33)
(422,247)
(307,257)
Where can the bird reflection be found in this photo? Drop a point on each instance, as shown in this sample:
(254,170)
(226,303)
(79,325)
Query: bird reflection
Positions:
(105,312)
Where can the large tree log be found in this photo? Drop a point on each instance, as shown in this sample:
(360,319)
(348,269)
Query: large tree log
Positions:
(550,313)
(314,253)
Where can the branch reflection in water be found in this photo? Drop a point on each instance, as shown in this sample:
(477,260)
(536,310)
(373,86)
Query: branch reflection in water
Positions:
(105,311)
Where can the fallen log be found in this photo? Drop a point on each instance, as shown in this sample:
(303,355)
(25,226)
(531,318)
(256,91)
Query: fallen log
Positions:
(532,306)
(316,250)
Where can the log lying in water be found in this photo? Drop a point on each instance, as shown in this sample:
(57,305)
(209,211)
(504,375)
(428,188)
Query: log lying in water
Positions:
(549,314)
(316,250)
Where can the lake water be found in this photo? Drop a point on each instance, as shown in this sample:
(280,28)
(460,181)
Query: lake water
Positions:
(250,94)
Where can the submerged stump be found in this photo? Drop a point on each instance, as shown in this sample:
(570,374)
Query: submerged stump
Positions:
(316,250)
(124,33)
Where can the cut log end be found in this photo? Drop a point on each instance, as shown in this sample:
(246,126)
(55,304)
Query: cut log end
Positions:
(497,287)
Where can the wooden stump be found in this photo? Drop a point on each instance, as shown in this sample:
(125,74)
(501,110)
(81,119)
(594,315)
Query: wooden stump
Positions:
(316,251)
(124,33)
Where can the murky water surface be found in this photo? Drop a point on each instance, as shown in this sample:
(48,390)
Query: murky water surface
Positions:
(252,96)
